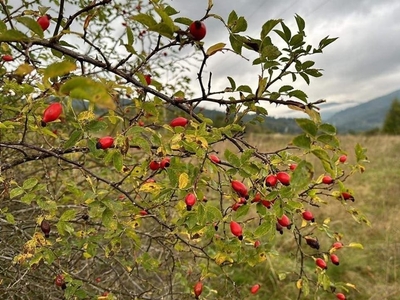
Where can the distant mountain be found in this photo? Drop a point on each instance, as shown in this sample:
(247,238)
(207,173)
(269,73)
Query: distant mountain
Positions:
(365,116)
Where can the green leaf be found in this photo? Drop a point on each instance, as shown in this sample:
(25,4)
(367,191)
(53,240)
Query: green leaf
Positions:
(232,18)
(58,69)
(163,29)
(300,23)
(302,141)
(144,19)
(13,35)
(118,160)
(268,26)
(233,84)
(232,158)
(360,153)
(299,95)
(296,40)
(356,245)
(16,192)
(240,25)
(271,52)
(73,139)
(245,89)
(87,88)
(236,43)
(166,19)
(182,20)
(68,215)
(307,64)
(308,126)
(328,139)
(285,88)
(129,35)
(212,213)
(327,128)
(10,218)
(31,24)
(170,10)
(242,211)
(96,126)
(108,219)
(30,183)
(264,228)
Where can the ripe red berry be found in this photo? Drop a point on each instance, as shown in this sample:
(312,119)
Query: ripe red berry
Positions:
(179,121)
(190,200)
(337,245)
(347,196)
(198,30)
(154,165)
(292,167)
(44,22)
(343,158)
(60,281)
(327,179)
(198,289)
(284,221)
(308,216)
(257,198)
(321,263)
(165,162)
(51,113)
(240,188)
(257,244)
(147,77)
(236,230)
(143,213)
(266,203)
(45,227)
(141,123)
(7,58)
(335,259)
(283,178)
(105,142)
(340,296)
(236,206)
(215,159)
(271,180)
(254,289)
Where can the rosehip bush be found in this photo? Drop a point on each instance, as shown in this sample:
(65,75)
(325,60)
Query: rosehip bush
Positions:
(111,171)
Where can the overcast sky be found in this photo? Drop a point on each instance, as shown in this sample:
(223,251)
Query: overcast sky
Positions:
(362,64)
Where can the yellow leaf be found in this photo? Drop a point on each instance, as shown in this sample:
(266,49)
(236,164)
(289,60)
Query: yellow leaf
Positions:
(327,221)
(183,180)
(351,285)
(150,187)
(299,284)
(23,70)
(356,245)
(215,48)
(86,116)
(304,223)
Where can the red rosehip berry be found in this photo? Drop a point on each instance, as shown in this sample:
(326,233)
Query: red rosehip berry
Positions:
(51,113)
(283,178)
(198,289)
(236,230)
(165,162)
(335,259)
(340,296)
(257,198)
(347,196)
(284,221)
(257,244)
(308,216)
(271,180)
(105,142)
(154,165)
(215,159)
(240,188)
(337,245)
(292,167)
(143,213)
(44,22)
(198,30)
(327,179)
(254,289)
(147,77)
(60,281)
(179,121)
(7,58)
(313,243)
(266,203)
(321,263)
(343,158)
(190,200)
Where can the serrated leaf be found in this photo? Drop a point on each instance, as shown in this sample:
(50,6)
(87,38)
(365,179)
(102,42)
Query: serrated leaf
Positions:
(151,187)
(327,128)
(182,20)
(23,70)
(13,35)
(183,180)
(232,158)
(73,139)
(307,126)
(118,161)
(87,88)
(29,183)
(215,48)
(212,213)
(58,69)
(242,211)
(108,220)
(268,26)
(302,141)
(263,229)
(31,24)
(144,19)
(68,215)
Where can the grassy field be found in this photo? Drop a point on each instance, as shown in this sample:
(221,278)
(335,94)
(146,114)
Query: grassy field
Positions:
(375,270)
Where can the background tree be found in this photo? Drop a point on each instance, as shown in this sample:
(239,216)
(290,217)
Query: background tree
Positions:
(115,186)
(392,120)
